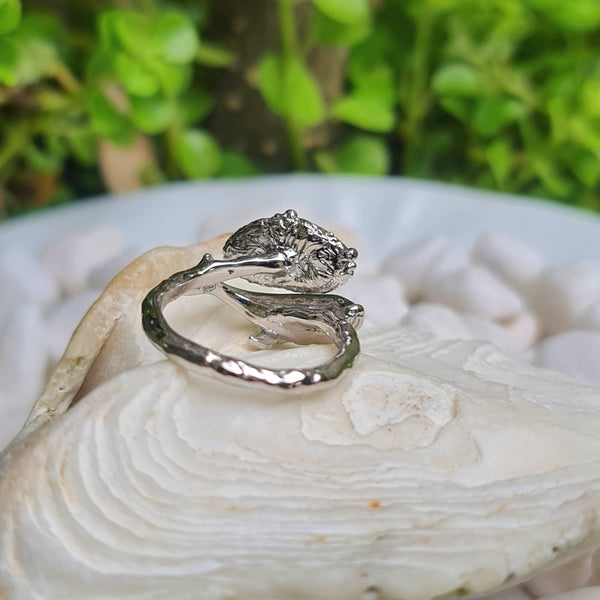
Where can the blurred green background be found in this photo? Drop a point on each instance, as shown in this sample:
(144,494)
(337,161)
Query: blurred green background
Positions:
(111,96)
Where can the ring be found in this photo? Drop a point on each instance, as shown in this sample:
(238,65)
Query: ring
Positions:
(283,251)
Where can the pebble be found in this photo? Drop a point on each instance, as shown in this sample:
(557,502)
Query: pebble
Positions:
(486,331)
(61,322)
(72,259)
(589,318)
(412,263)
(523,331)
(514,262)
(23,280)
(563,292)
(570,575)
(575,353)
(382,297)
(101,275)
(23,363)
(588,593)
(437,319)
(474,289)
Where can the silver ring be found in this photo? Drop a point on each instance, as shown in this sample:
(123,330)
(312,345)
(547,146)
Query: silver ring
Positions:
(283,251)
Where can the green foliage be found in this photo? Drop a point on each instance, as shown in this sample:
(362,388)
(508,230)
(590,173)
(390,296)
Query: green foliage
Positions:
(503,94)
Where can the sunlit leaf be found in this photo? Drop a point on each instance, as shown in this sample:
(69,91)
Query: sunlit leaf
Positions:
(363,155)
(344,11)
(175,38)
(237,165)
(10,15)
(152,114)
(330,32)
(197,154)
(134,76)
(456,79)
(365,111)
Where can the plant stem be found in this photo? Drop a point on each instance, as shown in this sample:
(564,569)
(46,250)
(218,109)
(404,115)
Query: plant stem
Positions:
(289,43)
(66,79)
(416,103)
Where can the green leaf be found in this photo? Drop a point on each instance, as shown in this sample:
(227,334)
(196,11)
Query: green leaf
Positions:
(492,114)
(344,11)
(237,165)
(365,112)
(585,166)
(107,121)
(9,57)
(499,157)
(133,30)
(329,32)
(100,65)
(175,38)
(363,155)
(325,162)
(152,114)
(456,79)
(290,90)
(211,55)
(194,105)
(135,78)
(10,15)
(457,107)
(44,161)
(197,154)
(173,79)
(83,145)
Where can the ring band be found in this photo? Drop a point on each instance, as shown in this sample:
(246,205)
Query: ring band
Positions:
(283,251)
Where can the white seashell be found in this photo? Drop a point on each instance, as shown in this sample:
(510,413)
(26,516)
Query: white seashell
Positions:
(514,593)
(575,353)
(486,331)
(475,290)
(563,292)
(61,322)
(22,281)
(382,297)
(23,363)
(522,331)
(516,263)
(573,574)
(438,320)
(588,593)
(433,469)
(411,263)
(596,567)
(72,259)
(589,318)
(452,259)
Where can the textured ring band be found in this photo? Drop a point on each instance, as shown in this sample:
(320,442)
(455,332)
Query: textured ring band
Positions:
(283,251)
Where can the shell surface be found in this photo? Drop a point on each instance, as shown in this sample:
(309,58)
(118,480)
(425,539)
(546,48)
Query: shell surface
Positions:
(432,469)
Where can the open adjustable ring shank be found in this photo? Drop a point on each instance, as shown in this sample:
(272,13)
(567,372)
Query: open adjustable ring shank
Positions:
(283,251)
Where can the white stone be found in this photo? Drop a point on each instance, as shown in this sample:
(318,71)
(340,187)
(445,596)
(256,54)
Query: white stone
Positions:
(437,319)
(382,297)
(412,263)
(522,331)
(73,257)
(23,363)
(575,353)
(486,331)
(588,593)
(589,318)
(570,575)
(516,263)
(23,281)
(62,322)
(563,292)
(101,275)
(474,289)
(452,259)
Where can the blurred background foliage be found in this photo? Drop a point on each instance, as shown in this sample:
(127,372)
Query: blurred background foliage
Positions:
(97,96)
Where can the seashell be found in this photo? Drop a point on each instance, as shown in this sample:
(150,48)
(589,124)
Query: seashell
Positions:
(573,574)
(434,468)
(438,320)
(588,593)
